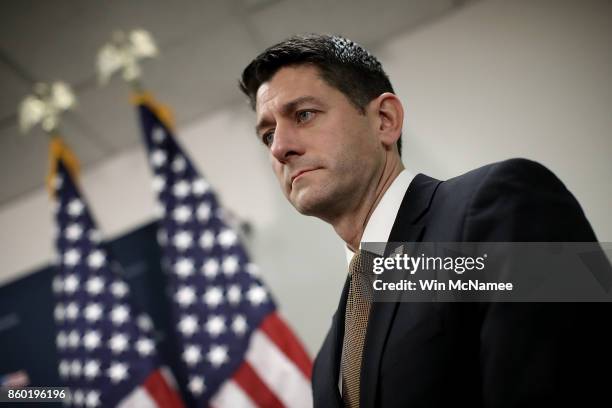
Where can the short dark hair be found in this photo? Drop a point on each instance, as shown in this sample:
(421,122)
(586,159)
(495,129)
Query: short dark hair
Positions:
(343,64)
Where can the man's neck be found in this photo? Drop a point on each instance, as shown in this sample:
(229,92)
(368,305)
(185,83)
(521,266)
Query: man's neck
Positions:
(350,226)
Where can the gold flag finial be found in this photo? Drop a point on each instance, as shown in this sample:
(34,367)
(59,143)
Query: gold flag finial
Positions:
(59,151)
(161,111)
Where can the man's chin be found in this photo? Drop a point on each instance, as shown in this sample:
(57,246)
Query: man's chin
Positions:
(302,208)
(311,205)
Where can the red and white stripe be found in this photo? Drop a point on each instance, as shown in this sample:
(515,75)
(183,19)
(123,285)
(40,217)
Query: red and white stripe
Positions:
(276,371)
(159,390)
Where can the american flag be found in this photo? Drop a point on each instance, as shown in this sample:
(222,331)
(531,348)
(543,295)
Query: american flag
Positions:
(236,351)
(107,354)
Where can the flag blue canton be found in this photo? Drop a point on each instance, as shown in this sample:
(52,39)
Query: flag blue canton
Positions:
(105,346)
(218,299)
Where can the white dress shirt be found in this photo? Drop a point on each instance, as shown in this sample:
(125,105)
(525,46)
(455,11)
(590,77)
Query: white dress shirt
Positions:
(381,222)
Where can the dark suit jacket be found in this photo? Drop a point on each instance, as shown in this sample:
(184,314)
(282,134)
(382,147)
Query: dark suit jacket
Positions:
(480,354)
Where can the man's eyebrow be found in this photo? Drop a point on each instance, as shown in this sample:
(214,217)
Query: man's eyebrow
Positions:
(286,109)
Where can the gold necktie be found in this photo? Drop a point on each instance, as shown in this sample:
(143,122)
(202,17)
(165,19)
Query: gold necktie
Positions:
(358,304)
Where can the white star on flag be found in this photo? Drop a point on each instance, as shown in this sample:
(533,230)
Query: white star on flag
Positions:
(95,236)
(78,397)
(73,232)
(71,283)
(92,399)
(71,311)
(57,285)
(75,207)
(120,314)
(178,164)
(227,238)
(93,312)
(144,346)
(64,369)
(96,259)
(95,285)
(252,270)
(213,296)
(200,186)
(256,295)
(215,325)
(159,210)
(59,312)
(72,257)
(75,368)
(182,240)
(230,265)
(184,267)
(217,355)
(185,296)
(73,339)
(118,372)
(158,135)
(119,289)
(188,325)
(239,325)
(203,212)
(144,322)
(91,340)
(91,369)
(60,340)
(210,268)
(234,294)
(207,240)
(196,385)
(181,189)
(182,214)
(118,343)
(158,158)
(192,354)
(158,183)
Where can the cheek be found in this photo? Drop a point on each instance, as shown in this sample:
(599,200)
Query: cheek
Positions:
(277,168)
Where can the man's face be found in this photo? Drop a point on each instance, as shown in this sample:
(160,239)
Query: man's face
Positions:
(323,150)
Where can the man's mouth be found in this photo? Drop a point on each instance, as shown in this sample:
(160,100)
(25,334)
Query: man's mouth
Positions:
(299,174)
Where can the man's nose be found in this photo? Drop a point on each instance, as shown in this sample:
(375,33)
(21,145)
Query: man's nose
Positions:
(285,144)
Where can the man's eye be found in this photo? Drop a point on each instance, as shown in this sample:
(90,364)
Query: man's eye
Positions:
(267,138)
(304,116)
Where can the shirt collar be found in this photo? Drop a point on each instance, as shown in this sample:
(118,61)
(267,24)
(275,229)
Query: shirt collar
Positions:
(381,222)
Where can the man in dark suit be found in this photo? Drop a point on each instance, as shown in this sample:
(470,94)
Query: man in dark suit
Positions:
(327,113)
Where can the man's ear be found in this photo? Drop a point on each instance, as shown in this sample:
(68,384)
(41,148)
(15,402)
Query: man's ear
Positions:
(390,114)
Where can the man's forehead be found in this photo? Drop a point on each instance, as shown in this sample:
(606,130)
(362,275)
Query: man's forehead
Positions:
(288,84)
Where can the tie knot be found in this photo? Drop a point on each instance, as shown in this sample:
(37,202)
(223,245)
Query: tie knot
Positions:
(361,262)
(356,263)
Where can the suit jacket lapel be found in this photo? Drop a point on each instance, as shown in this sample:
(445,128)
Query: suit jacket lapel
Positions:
(330,356)
(406,228)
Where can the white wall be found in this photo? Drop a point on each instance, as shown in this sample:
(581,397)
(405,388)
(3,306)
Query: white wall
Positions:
(504,79)
(496,80)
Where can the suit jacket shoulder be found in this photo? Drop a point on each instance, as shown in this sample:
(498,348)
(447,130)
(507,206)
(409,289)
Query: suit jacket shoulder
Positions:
(513,200)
